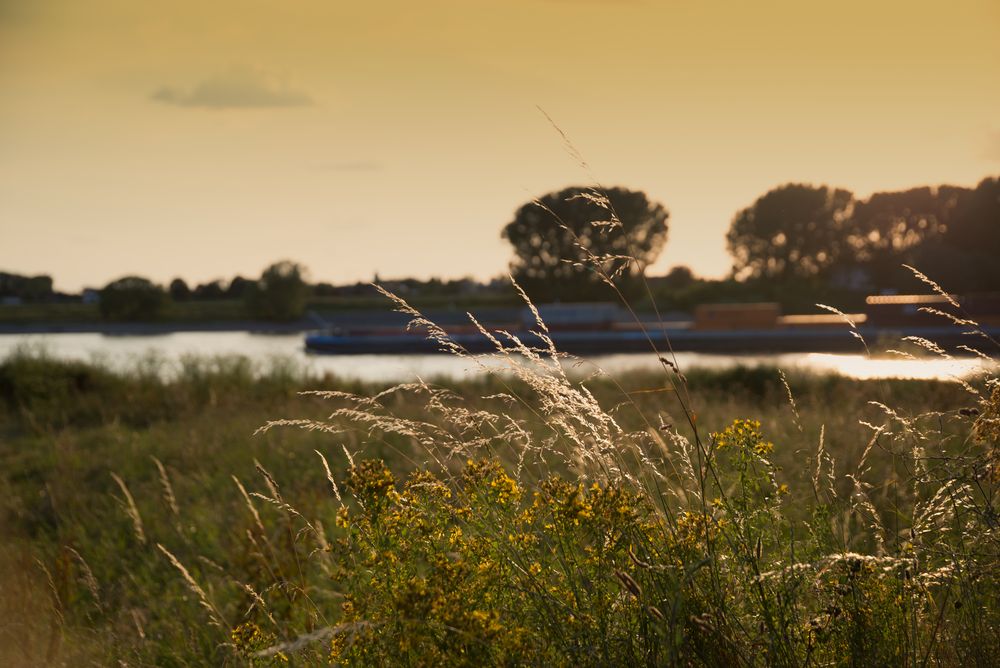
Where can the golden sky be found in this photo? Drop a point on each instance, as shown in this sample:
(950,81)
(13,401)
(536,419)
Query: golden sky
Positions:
(208,138)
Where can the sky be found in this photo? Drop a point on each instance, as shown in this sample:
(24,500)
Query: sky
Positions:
(208,139)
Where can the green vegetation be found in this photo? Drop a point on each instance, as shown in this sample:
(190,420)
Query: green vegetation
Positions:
(513,519)
(280,294)
(376,302)
(25,287)
(561,237)
(46,312)
(133,298)
(797,245)
(792,232)
(532,516)
(797,297)
(800,231)
(173,312)
(229,310)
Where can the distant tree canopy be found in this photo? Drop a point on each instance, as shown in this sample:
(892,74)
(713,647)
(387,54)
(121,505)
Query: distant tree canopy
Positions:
(798,231)
(966,260)
(890,229)
(793,231)
(239,287)
(677,278)
(976,224)
(179,290)
(28,288)
(132,298)
(280,294)
(210,291)
(559,239)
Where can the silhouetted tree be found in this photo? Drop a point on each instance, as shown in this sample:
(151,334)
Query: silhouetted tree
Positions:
(891,228)
(976,225)
(210,291)
(678,278)
(280,294)
(132,298)
(561,239)
(179,290)
(793,231)
(325,290)
(966,258)
(239,287)
(28,288)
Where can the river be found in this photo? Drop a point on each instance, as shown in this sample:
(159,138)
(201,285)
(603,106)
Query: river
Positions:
(167,351)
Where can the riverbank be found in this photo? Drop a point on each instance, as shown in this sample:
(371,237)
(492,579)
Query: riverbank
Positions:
(227,316)
(169,353)
(77,314)
(385,342)
(155,328)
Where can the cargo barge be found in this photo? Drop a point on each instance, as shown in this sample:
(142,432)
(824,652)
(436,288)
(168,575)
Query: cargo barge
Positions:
(596,329)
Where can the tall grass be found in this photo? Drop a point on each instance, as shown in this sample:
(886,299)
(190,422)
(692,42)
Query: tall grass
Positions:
(532,516)
(587,528)
(565,537)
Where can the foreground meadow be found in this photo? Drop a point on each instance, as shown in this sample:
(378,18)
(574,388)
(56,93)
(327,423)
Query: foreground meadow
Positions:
(712,518)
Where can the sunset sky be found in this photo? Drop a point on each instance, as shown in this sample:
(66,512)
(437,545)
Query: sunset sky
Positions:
(203,139)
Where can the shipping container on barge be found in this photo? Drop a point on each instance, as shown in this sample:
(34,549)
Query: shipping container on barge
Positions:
(599,328)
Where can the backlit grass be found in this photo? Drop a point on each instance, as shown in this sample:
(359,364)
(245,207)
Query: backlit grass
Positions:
(516,519)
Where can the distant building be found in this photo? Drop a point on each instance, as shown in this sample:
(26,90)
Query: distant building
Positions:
(90,296)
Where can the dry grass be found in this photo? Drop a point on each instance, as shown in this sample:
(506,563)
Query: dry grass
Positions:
(530,516)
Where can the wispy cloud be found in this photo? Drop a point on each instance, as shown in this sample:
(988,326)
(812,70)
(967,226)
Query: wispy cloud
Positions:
(237,88)
(350,166)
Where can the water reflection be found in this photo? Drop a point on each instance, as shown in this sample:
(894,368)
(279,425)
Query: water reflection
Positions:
(166,352)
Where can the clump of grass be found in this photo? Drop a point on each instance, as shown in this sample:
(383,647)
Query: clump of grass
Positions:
(564,537)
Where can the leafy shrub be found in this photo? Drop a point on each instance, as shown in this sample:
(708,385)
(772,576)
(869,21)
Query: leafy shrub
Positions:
(279,294)
(133,298)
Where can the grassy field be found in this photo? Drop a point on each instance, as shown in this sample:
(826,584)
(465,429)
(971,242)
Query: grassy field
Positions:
(224,310)
(521,519)
(180,312)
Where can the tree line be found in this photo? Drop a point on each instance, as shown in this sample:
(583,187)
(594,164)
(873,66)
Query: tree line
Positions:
(568,244)
(279,294)
(795,242)
(26,288)
(802,232)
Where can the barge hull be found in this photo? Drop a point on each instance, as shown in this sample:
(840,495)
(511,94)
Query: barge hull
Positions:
(610,342)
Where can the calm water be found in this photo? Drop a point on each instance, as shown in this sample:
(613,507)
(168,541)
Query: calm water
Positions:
(168,350)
